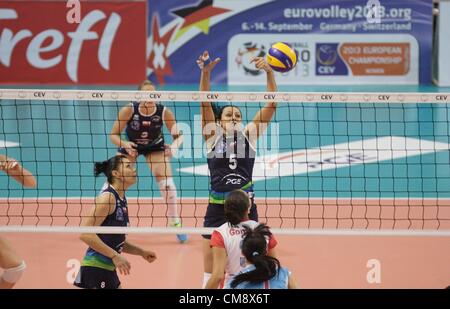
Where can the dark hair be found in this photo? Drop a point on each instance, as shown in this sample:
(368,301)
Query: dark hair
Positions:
(254,248)
(145,83)
(236,206)
(218,110)
(106,167)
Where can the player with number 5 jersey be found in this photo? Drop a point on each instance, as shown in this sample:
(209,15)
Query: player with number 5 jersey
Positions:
(231,150)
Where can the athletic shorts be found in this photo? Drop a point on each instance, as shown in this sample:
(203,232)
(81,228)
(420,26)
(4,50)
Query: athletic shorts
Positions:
(96,278)
(215,216)
(145,149)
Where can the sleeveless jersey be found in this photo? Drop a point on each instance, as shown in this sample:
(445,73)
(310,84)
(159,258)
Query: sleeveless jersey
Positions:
(144,130)
(230,163)
(115,241)
(230,237)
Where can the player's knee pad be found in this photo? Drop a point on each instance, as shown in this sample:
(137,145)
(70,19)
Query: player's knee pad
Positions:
(12,275)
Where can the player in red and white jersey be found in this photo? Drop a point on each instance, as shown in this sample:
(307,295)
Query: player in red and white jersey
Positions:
(226,240)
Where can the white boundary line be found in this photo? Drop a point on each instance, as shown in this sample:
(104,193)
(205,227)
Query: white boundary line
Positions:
(170,230)
(198,96)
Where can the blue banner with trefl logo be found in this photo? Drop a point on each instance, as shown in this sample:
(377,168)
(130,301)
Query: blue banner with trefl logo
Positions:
(343,42)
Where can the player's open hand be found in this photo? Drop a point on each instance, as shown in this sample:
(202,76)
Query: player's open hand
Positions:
(261,64)
(130,148)
(205,63)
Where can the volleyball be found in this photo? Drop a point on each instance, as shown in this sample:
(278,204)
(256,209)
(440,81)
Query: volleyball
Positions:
(282,57)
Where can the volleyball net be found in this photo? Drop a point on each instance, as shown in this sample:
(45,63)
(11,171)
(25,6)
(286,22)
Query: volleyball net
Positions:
(328,163)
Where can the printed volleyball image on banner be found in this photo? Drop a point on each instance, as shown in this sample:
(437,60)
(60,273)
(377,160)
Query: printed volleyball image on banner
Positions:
(349,41)
(329,58)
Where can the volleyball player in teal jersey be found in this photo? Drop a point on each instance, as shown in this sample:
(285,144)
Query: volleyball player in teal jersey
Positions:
(143,125)
(231,150)
(10,261)
(103,257)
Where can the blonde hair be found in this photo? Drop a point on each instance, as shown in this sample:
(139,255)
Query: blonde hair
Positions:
(145,83)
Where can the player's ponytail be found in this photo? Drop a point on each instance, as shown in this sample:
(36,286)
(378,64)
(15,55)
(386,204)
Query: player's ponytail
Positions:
(236,207)
(100,167)
(254,248)
(106,167)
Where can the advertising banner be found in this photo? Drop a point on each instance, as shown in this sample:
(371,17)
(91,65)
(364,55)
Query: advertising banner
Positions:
(326,58)
(42,43)
(344,42)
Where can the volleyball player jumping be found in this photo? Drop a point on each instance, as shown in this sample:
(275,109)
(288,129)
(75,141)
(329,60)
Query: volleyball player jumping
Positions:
(231,150)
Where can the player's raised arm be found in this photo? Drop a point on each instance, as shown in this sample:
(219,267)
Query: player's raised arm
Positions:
(208,118)
(262,118)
